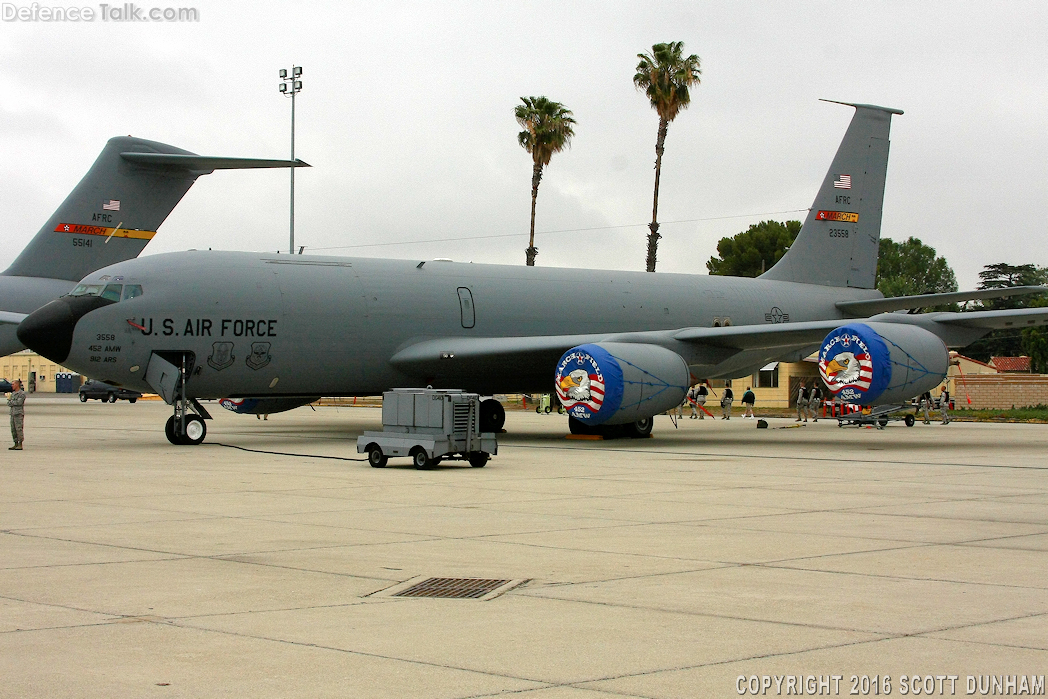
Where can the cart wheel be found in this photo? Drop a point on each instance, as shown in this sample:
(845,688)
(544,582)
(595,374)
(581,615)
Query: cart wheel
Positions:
(538,410)
(83,398)
(375,456)
(560,409)
(477,459)
(640,428)
(547,410)
(909,420)
(421,459)
(883,422)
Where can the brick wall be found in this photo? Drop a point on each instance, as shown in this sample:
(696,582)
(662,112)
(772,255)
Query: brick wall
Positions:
(1001,390)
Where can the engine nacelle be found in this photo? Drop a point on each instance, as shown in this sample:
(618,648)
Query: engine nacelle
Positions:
(882,363)
(263,406)
(616,383)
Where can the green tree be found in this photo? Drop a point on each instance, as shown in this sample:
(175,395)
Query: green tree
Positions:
(1003,276)
(910,268)
(755,250)
(1011,342)
(666,77)
(548,128)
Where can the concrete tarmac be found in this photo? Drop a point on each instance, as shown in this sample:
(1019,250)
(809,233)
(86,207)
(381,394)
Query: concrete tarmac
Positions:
(666,567)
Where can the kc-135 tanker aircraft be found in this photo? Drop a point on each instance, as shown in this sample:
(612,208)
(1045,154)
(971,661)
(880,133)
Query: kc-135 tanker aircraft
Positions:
(618,347)
(111,215)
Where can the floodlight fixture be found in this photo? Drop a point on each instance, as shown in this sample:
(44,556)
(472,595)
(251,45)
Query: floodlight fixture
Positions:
(292,86)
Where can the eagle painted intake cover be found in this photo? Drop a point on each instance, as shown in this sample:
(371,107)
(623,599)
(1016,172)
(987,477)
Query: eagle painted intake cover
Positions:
(617,383)
(881,363)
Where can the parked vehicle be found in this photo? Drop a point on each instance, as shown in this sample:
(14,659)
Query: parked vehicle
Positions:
(100,390)
(5,386)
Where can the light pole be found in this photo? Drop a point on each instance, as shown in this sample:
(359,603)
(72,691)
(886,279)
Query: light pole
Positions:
(291,85)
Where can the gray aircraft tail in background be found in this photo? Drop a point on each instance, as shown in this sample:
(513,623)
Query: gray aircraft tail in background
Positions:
(110,216)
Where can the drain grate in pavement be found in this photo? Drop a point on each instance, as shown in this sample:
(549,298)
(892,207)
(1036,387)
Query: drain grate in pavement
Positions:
(453,588)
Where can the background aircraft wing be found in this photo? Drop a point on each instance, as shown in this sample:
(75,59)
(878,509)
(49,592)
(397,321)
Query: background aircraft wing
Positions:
(870,307)
(9,318)
(996,320)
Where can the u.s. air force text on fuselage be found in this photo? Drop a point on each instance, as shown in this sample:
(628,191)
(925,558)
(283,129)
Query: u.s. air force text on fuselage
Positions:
(206,327)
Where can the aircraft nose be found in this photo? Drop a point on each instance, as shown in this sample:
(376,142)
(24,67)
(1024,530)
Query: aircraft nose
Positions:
(48,330)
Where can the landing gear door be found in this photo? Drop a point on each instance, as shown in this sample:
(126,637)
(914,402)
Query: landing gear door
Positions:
(163,377)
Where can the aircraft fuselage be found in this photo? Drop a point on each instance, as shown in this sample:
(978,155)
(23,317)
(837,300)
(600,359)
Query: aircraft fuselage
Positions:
(276,325)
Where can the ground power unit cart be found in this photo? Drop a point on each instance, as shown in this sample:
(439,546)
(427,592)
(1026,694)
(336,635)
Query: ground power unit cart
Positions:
(429,425)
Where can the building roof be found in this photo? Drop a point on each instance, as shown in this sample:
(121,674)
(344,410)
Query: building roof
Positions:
(958,355)
(1010,364)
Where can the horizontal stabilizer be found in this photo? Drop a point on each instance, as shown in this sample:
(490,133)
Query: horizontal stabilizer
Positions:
(861,309)
(206,164)
(9,318)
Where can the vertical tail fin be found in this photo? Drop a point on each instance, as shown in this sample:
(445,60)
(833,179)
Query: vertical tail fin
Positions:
(840,238)
(115,210)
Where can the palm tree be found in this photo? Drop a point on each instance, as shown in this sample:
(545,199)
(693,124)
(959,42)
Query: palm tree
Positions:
(665,76)
(547,130)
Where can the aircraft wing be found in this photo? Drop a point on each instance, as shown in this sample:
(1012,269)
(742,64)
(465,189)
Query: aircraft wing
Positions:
(9,318)
(996,320)
(870,307)
(480,352)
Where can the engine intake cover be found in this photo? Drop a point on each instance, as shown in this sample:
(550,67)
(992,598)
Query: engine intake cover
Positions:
(616,383)
(881,363)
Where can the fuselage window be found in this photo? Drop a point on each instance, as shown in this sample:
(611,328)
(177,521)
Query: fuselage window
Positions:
(112,292)
(132,290)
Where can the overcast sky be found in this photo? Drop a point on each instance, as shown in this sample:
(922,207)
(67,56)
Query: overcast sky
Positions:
(407,119)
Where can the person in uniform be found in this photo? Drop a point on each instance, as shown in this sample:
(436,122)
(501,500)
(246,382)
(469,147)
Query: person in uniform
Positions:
(802,403)
(16,401)
(690,399)
(726,400)
(926,406)
(700,400)
(814,399)
(944,405)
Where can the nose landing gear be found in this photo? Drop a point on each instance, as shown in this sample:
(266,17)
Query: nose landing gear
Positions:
(186,426)
(190,434)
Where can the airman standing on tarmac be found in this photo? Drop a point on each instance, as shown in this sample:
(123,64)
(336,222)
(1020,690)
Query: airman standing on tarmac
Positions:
(814,399)
(16,401)
(802,403)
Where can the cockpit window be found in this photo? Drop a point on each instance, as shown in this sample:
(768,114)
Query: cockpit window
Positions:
(87,290)
(113,292)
